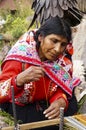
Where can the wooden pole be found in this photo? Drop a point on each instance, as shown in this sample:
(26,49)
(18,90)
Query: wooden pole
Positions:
(33,125)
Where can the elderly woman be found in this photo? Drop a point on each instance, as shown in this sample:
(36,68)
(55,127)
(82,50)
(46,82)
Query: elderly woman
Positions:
(39,68)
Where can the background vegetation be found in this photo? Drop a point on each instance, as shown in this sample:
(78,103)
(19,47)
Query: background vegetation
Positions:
(17,22)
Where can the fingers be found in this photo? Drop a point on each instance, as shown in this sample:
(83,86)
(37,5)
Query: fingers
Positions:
(53,110)
(32,73)
(35,73)
(52,114)
(36,70)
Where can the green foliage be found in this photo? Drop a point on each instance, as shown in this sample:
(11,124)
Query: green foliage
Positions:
(18,27)
(4,12)
(8,119)
(17,23)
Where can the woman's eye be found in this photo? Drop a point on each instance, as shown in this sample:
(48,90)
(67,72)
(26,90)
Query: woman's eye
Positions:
(54,40)
(64,44)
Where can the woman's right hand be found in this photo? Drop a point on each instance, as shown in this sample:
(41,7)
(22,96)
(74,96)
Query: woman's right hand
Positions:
(33,73)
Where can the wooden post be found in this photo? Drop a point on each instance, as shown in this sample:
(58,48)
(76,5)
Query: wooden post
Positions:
(33,125)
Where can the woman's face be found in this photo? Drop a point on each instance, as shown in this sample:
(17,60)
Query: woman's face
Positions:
(51,46)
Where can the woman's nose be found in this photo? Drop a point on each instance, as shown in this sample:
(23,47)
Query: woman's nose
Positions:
(57,48)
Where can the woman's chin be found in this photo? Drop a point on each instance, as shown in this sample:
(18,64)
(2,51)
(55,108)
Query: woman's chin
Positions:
(52,59)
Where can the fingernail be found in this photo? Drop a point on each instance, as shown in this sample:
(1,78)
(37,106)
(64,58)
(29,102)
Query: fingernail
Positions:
(46,115)
(49,117)
(44,112)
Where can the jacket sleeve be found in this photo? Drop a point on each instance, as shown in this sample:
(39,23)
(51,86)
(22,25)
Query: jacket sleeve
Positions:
(7,79)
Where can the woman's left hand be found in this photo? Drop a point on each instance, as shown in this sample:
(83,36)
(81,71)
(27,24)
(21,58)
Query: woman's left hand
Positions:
(53,110)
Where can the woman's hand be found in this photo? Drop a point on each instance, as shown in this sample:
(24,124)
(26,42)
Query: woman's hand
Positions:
(53,110)
(33,73)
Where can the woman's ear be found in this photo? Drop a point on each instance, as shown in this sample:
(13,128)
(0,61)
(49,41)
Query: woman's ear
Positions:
(40,38)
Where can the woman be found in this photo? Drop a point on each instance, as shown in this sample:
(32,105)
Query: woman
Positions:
(40,70)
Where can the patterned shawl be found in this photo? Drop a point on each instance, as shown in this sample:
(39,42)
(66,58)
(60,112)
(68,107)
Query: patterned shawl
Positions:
(59,71)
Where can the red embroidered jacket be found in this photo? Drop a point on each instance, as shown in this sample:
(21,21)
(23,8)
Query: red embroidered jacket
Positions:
(35,91)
